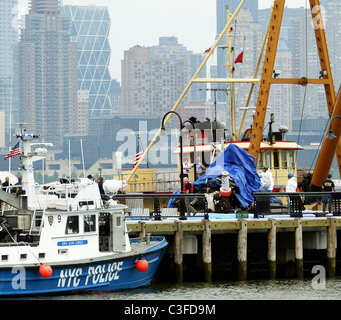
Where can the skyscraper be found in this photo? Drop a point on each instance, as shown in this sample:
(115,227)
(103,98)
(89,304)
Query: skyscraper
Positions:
(333,31)
(251,5)
(48,72)
(247,38)
(90,26)
(8,56)
(153,78)
(310,100)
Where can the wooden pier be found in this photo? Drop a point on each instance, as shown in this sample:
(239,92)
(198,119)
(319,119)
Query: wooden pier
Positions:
(282,241)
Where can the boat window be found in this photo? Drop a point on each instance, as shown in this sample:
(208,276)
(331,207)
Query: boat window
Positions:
(260,160)
(118,221)
(72,225)
(284,160)
(276,160)
(89,223)
(291,160)
(23,256)
(268,159)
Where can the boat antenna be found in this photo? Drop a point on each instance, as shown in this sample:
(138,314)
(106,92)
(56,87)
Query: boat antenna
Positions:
(69,162)
(10,130)
(82,158)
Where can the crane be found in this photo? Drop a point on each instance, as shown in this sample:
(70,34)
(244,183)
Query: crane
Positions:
(267,79)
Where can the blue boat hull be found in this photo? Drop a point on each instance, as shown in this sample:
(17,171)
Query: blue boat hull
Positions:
(110,275)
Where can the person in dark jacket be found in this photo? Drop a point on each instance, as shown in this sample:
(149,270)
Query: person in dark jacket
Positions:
(6,184)
(100,185)
(328,186)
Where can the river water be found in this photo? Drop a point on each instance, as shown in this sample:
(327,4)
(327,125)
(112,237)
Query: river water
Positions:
(286,289)
(216,300)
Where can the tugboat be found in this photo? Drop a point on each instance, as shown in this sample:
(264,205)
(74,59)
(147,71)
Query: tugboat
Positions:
(67,239)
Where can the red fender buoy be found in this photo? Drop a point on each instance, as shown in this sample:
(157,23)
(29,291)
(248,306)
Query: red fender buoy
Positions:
(142,265)
(45,270)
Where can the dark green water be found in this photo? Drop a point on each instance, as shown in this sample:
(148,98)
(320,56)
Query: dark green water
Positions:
(291,289)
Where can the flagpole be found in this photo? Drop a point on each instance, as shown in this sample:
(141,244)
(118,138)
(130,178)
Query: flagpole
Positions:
(69,162)
(10,130)
(82,158)
(255,75)
(231,69)
(140,142)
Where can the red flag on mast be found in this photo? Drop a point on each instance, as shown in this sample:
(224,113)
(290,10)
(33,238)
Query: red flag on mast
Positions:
(239,59)
(207,51)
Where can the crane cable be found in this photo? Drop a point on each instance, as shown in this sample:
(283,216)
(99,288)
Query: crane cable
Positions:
(306,70)
(305,94)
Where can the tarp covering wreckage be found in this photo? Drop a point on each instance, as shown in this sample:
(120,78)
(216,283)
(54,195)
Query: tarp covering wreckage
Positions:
(242,169)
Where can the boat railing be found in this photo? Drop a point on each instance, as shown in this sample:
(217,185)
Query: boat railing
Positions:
(154,186)
(167,181)
(295,203)
(266,204)
(155,205)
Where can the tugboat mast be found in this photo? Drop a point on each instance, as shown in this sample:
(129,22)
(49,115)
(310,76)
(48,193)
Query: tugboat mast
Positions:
(28,158)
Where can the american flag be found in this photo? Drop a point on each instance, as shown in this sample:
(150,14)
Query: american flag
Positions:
(138,155)
(14,152)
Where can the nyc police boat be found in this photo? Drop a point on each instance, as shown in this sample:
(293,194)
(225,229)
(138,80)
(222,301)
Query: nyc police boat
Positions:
(75,242)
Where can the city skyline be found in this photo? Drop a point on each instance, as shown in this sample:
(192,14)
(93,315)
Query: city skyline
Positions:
(137,30)
(242,21)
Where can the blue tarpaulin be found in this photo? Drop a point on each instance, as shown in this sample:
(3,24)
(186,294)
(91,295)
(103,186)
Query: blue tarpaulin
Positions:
(172,201)
(242,169)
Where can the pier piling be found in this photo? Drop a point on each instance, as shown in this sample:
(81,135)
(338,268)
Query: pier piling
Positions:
(299,249)
(242,250)
(283,245)
(207,251)
(178,252)
(272,250)
(331,248)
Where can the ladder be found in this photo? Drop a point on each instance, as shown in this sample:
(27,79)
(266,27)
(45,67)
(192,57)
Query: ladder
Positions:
(36,223)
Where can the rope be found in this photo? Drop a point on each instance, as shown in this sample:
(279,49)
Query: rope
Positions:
(306,70)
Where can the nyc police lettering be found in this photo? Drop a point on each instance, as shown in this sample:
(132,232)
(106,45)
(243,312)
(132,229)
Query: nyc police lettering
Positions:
(94,275)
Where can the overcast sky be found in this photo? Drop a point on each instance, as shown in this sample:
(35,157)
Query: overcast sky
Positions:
(142,22)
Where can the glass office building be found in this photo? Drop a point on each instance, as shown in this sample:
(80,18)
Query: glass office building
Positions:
(90,27)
